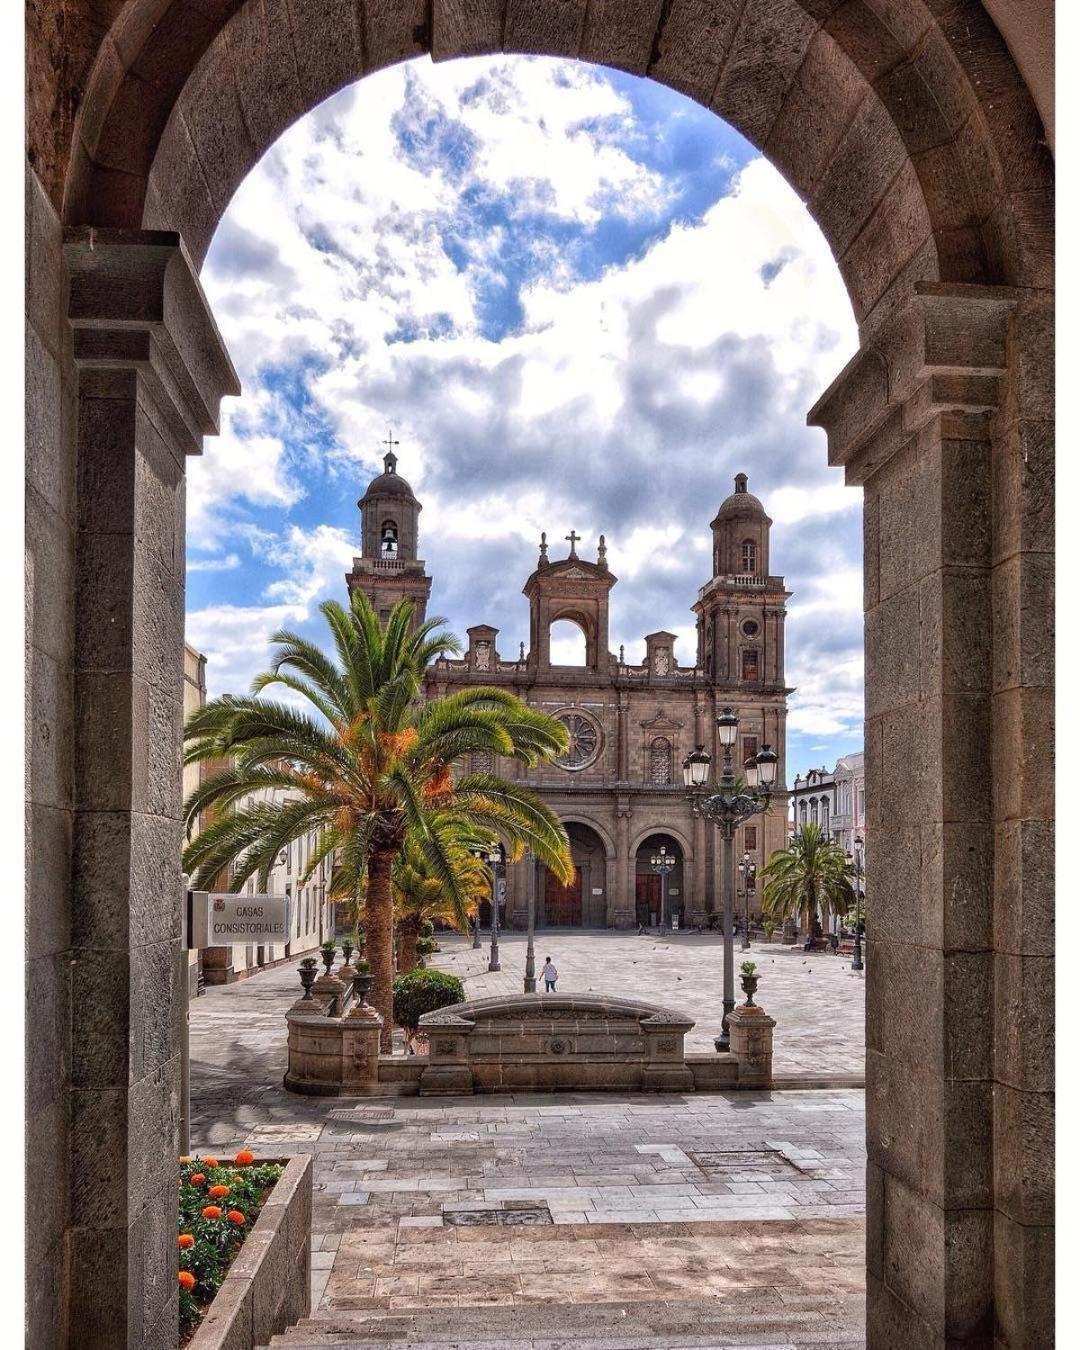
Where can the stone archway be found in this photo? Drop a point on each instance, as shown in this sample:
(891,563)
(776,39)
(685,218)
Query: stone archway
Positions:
(907,129)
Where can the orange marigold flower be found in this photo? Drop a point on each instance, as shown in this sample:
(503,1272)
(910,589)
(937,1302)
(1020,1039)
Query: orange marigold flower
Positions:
(212,1212)
(243,1158)
(197,1178)
(210,1162)
(236,1217)
(216,1192)
(187,1279)
(185,1240)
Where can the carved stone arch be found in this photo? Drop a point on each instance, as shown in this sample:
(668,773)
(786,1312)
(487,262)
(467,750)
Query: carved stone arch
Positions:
(589,823)
(677,833)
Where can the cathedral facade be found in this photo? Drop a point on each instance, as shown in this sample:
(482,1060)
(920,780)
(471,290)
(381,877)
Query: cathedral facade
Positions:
(619,788)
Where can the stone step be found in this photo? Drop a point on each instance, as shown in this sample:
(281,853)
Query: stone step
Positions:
(760,1318)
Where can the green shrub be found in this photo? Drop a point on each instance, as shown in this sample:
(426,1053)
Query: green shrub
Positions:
(426,929)
(425,946)
(424,991)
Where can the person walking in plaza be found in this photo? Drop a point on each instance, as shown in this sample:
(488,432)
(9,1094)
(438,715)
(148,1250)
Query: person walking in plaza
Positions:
(550,975)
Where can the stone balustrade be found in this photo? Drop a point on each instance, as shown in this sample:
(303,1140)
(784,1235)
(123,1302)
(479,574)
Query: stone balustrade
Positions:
(523,1043)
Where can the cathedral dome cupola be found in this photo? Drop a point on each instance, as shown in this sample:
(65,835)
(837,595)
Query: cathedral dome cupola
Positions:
(389,483)
(741,534)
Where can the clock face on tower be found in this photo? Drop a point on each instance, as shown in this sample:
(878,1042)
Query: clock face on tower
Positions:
(584,741)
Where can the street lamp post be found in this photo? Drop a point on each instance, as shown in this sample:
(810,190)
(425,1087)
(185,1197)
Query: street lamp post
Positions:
(492,857)
(748,868)
(663,864)
(727,805)
(856,861)
(530,956)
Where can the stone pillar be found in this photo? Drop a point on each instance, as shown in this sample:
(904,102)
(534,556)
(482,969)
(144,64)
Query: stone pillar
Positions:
(911,419)
(447,1072)
(665,1068)
(751,1031)
(151,372)
(621,897)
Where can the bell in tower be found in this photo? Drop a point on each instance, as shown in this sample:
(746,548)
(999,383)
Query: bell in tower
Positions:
(388,568)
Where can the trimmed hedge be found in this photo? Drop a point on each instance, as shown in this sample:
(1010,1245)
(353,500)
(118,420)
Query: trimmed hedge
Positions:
(424,991)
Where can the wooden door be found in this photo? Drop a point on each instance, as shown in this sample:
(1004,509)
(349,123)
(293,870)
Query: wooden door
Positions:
(648,899)
(562,904)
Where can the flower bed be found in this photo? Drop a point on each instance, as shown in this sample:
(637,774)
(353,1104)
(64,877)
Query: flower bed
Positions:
(219,1202)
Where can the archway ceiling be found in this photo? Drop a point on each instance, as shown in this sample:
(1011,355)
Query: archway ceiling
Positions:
(904,124)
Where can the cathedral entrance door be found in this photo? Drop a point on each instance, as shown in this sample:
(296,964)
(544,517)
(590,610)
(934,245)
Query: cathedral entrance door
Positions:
(648,899)
(562,904)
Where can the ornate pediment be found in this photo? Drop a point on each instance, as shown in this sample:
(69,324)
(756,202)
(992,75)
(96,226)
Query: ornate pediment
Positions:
(662,722)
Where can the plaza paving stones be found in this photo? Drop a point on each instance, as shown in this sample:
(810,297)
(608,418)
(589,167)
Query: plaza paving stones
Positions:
(698,1220)
(816,999)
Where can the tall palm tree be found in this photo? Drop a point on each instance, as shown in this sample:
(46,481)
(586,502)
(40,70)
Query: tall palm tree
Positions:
(809,877)
(368,763)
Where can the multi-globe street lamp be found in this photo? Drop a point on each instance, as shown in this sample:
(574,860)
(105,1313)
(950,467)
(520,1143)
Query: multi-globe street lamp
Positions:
(856,862)
(492,857)
(727,804)
(663,864)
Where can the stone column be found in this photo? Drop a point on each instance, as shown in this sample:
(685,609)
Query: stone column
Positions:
(621,895)
(151,373)
(911,419)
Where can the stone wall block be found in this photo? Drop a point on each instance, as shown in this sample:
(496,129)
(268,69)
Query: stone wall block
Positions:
(1023,761)
(913,1005)
(1023,1164)
(899,908)
(910,1098)
(914,1247)
(150,1254)
(877,37)
(98,1129)
(954,632)
(1024,887)
(963,735)
(692,43)
(1024,489)
(262,60)
(49,541)
(909,491)
(50,461)
(465,28)
(44,283)
(911,787)
(765,54)
(892,659)
(898,227)
(1023,591)
(210,106)
(111,743)
(554,28)
(866,161)
(50,730)
(47,994)
(154,1117)
(969,1279)
(329,54)
(816,112)
(893,1322)
(106,458)
(965,499)
(621,33)
(1021,233)
(1024,1021)
(955,867)
(177,191)
(155,994)
(100,990)
(1023,1282)
(48,861)
(394,30)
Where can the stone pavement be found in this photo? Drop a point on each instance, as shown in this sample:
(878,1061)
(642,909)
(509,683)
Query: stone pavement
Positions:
(584,1220)
(817,999)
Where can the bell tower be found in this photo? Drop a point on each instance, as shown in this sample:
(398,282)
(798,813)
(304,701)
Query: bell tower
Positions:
(741,609)
(388,569)
(573,589)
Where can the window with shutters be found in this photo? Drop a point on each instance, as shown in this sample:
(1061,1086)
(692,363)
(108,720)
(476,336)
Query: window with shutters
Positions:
(749,556)
(660,760)
(750,664)
(749,747)
(750,838)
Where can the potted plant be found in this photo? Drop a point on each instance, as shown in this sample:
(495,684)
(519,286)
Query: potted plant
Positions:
(347,948)
(770,928)
(362,980)
(749,977)
(329,947)
(308,975)
(424,947)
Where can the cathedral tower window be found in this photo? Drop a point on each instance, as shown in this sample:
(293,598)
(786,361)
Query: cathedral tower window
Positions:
(660,760)
(749,556)
(750,665)
(388,533)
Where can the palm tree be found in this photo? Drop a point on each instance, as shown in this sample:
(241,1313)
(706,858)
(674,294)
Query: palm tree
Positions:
(807,878)
(368,763)
(420,895)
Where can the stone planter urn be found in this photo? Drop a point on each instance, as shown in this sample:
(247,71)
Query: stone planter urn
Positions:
(328,954)
(308,973)
(347,950)
(361,983)
(749,985)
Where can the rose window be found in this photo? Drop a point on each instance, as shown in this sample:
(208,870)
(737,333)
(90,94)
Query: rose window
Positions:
(584,742)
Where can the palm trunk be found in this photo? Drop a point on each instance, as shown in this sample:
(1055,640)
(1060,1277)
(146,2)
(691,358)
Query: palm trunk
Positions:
(379,927)
(409,933)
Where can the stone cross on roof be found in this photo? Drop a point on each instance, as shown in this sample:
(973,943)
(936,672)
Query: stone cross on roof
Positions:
(572,539)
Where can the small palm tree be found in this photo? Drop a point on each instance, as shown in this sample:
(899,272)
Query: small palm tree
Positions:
(369,764)
(809,877)
(421,895)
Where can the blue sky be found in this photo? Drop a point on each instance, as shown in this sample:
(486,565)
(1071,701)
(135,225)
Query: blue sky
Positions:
(580,300)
